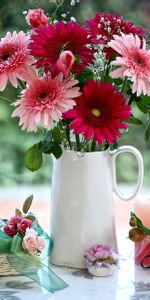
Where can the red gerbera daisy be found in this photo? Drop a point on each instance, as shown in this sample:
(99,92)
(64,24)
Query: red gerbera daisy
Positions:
(48,43)
(99,112)
(103,26)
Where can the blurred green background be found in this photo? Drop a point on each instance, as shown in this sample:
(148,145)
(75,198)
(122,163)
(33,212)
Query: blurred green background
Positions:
(14,142)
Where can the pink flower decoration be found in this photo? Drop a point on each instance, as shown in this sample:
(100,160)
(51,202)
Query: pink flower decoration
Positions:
(36,18)
(133,62)
(31,231)
(98,252)
(65,62)
(10,230)
(15,60)
(40,243)
(29,243)
(44,101)
(23,225)
(32,242)
(142,252)
(15,220)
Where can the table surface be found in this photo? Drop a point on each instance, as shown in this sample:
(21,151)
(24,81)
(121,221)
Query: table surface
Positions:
(127,283)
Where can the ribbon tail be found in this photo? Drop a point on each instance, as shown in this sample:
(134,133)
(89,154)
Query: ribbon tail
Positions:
(39,272)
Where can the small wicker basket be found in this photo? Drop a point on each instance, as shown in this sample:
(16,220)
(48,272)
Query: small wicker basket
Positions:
(25,267)
(5,268)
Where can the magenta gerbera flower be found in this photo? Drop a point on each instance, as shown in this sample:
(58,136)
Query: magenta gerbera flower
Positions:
(15,61)
(99,113)
(134,61)
(44,101)
(103,26)
(48,43)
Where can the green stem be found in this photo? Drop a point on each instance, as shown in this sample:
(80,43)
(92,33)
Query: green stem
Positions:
(68,136)
(124,86)
(131,99)
(55,12)
(77,142)
(6,99)
(63,134)
(93,146)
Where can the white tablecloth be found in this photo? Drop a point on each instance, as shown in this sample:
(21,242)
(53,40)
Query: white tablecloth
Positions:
(128,282)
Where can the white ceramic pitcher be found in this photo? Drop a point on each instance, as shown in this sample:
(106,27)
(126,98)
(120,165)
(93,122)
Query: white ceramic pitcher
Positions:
(82,206)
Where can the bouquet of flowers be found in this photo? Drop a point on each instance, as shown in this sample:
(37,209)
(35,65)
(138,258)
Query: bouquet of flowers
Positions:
(78,84)
(23,246)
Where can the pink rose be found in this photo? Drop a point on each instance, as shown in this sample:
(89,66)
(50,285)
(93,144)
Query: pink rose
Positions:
(65,62)
(15,219)
(29,243)
(36,18)
(33,243)
(31,231)
(23,225)
(40,243)
(98,252)
(10,229)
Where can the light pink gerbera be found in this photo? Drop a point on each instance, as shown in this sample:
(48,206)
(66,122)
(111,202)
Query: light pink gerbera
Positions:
(44,101)
(134,61)
(15,61)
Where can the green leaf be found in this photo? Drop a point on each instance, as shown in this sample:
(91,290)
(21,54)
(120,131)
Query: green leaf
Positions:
(56,135)
(50,147)
(107,78)
(45,146)
(18,212)
(146,100)
(57,151)
(143,103)
(33,158)
(30,217)
(84,76)
(118,81)
(147,133)
(27,204)
(135,121)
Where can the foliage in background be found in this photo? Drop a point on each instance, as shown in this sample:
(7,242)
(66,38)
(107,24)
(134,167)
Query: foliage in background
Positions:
(13,142)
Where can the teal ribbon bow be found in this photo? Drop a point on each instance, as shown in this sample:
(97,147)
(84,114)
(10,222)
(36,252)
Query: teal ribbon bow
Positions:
(28,265)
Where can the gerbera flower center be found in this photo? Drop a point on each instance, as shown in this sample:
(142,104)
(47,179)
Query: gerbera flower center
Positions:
(43,95)
(139,60)
(96,112)
(6,52)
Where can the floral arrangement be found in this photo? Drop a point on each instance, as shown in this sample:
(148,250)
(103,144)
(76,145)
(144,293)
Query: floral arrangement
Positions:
(101,260)
(78,84)
(25,245)
(22,224)
(140,235)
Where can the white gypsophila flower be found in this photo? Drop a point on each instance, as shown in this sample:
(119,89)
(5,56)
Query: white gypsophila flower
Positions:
(72,19)
(73,2)
(99,63)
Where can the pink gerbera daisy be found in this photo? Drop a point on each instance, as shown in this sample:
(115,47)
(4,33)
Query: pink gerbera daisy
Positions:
(134,61)
(44,101)
(15,61)
(99,112)
(48,43)
(103,26)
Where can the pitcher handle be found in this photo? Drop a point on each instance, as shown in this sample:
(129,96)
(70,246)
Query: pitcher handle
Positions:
(137,154)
